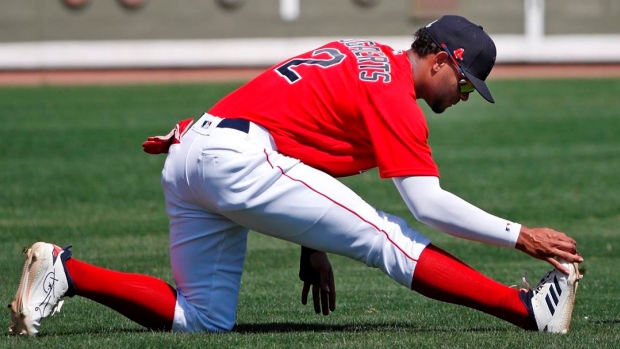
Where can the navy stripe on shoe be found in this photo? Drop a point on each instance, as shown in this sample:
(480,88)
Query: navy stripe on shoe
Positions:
(553,295)
(550,305)
(557,286)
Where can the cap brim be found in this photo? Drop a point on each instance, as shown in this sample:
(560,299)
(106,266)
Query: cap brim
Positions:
(480,86)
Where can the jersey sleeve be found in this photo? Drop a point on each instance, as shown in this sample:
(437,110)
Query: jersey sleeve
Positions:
(399,133)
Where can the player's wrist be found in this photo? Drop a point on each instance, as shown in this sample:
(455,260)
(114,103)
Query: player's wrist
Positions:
(513,231)
(306,273)
(307,251)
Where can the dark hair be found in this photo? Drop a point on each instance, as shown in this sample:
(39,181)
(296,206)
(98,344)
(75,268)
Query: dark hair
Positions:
(423,44)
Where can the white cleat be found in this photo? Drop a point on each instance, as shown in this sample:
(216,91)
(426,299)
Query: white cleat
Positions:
(42,287)
(551,302)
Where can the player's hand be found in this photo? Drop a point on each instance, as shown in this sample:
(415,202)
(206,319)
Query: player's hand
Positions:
(316,272)
(548,245)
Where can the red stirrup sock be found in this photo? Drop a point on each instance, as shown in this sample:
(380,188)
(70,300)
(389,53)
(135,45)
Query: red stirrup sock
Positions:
(441,276)
(146,300)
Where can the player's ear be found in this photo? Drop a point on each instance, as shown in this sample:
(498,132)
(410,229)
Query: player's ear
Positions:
(441,59)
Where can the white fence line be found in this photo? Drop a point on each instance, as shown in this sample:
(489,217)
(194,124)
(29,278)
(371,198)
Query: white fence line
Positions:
(268,51)
(531,47)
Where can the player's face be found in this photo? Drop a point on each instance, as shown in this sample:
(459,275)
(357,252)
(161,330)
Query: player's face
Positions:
(451,89)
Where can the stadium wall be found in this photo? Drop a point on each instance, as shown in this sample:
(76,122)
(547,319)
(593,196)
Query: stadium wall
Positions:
(93,34)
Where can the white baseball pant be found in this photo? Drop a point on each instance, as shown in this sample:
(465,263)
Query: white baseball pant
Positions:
(220,181)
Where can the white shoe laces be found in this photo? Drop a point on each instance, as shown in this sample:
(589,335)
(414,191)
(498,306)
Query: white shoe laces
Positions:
(525,283)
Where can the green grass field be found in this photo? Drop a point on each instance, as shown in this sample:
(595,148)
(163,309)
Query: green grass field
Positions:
(547,153)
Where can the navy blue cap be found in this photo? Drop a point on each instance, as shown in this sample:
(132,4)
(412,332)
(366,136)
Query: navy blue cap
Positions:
(472,48)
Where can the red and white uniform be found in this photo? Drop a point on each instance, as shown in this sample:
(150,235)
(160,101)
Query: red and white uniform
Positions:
(335,111)
(357,113)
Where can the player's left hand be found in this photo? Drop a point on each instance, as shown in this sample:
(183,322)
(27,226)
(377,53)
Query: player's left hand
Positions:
(315,270)
(549,245)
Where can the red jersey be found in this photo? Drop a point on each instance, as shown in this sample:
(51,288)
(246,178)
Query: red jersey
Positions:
(343,108)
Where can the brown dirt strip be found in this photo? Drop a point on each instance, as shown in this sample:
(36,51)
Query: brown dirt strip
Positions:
(150,76)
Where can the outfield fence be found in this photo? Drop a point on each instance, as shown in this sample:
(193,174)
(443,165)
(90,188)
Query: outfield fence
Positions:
(267,45)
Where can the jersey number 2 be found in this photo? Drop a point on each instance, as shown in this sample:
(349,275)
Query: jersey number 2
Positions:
(286,70)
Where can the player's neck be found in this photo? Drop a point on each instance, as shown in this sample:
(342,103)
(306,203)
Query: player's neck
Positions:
(417,73)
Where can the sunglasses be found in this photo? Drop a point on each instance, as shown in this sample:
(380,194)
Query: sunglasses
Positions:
(465,86)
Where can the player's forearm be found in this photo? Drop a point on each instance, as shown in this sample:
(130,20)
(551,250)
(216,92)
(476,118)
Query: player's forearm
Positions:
(446,212)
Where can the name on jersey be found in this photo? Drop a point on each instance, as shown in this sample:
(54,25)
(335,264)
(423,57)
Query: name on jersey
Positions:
(372,63)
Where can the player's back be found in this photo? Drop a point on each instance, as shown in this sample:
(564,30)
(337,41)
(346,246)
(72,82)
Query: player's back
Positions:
(314,104)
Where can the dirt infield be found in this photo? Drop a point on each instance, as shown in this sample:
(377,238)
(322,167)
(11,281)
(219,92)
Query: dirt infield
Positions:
(150,76)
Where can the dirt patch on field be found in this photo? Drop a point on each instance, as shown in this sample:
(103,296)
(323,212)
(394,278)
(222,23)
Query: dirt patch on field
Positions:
(150,76)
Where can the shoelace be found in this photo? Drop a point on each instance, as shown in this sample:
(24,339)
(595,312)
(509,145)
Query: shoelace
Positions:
(524,282)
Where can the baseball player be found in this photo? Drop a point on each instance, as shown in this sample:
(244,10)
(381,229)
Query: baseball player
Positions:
(265,158)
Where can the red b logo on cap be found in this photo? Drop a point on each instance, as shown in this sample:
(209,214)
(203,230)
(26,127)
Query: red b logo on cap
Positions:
(458,53)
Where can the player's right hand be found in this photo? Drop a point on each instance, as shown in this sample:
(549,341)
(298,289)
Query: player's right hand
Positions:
(316,272)
(548,245)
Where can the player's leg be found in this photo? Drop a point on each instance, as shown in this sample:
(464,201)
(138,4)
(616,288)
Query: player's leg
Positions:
(343,223)
(292,201)
(51,273)
(144,299)
(547,307)
(207,264)
(207,250)
(332,218)
(207,254)
(443,277)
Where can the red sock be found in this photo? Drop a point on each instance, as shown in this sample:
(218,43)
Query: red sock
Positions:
(441,276)
(144,299)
